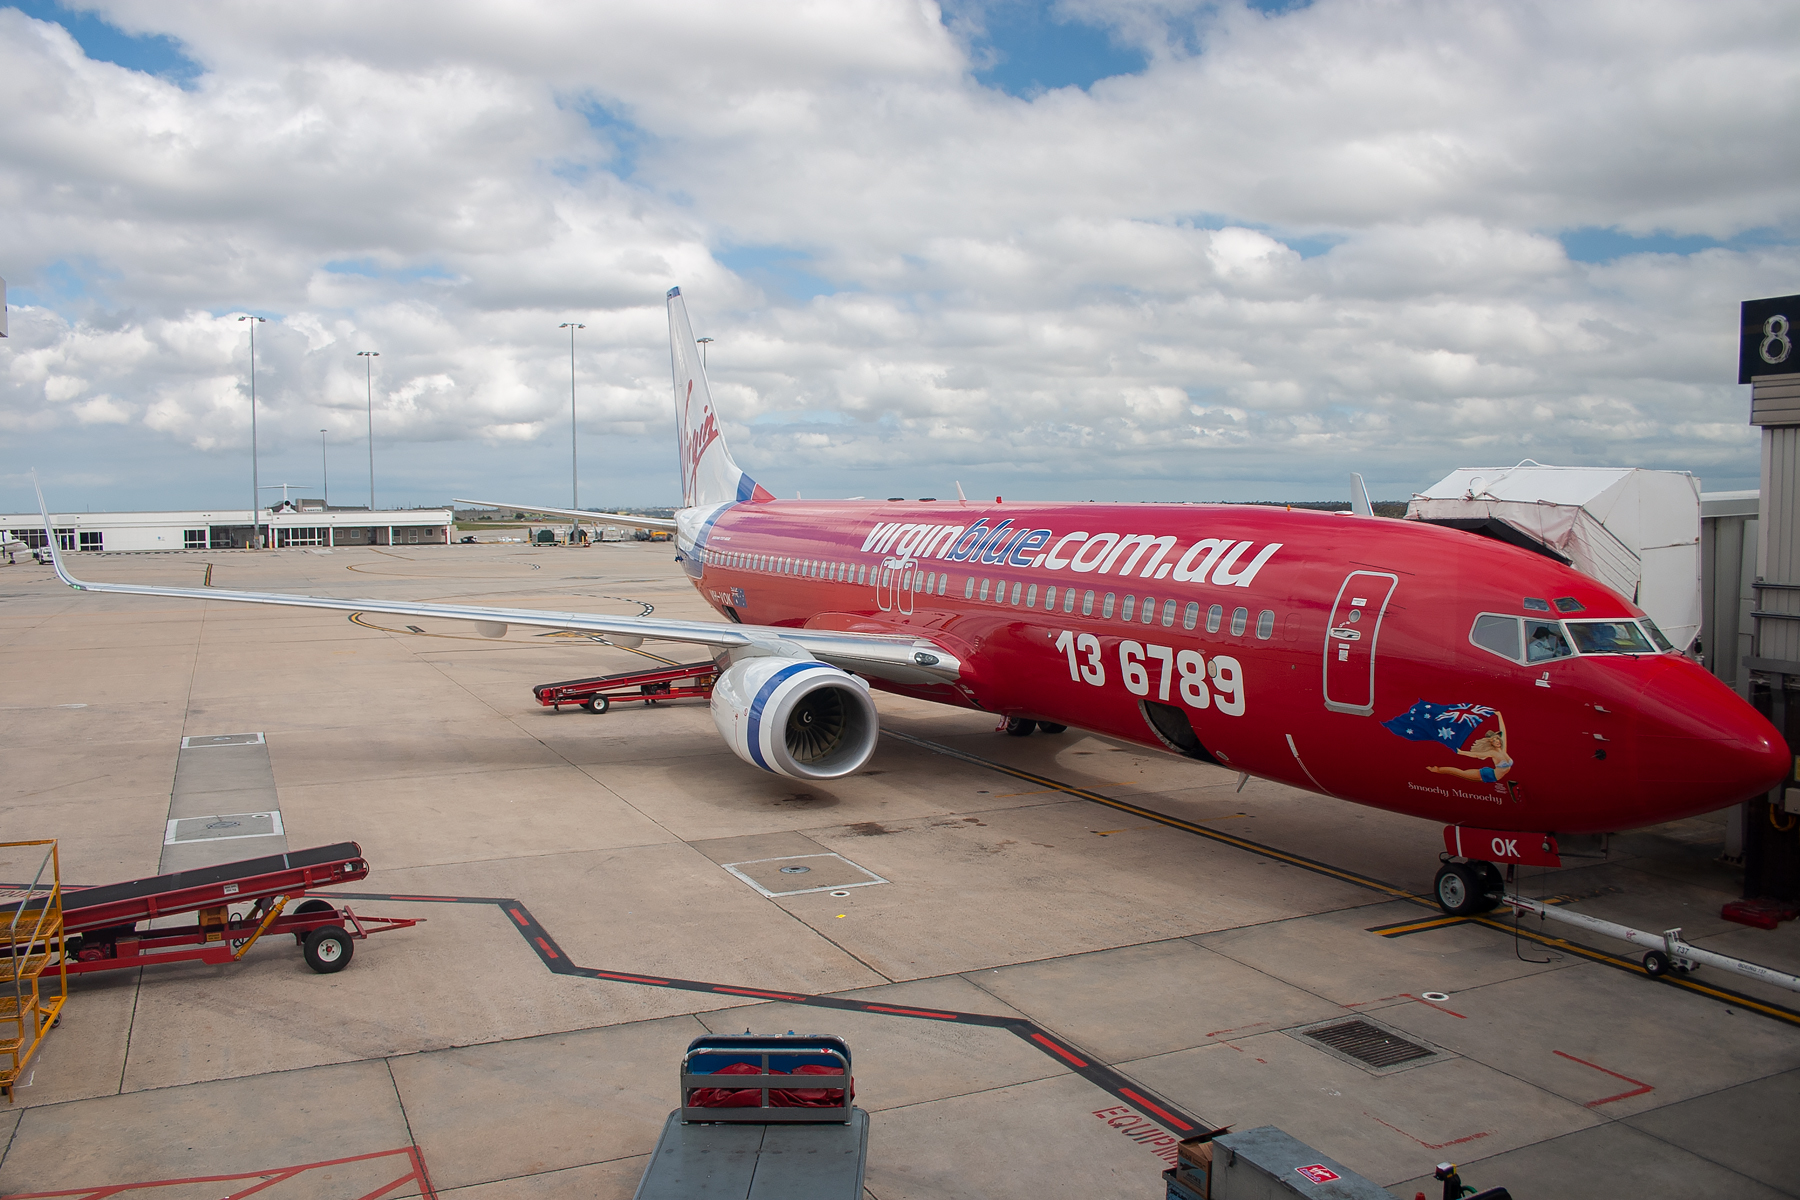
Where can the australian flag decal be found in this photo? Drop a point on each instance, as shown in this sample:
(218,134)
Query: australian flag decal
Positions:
(1449,725)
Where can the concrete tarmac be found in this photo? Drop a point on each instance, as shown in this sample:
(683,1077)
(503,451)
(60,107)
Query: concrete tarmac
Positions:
(1040,989)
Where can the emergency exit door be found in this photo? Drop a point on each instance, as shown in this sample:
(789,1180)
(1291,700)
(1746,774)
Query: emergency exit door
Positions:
(1350,638)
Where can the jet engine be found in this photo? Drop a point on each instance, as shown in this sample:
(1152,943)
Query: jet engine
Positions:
(801,718)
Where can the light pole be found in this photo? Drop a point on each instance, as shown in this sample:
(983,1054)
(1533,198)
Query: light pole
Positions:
(255,498)
(574,474)
(704,343)
(369,357)
(324,473)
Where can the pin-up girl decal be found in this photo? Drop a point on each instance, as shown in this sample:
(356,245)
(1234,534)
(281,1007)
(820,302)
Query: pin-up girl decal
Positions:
(1455,727)
(1491,746)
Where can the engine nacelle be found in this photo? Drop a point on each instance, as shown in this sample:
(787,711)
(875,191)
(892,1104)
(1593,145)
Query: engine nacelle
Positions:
(801,718)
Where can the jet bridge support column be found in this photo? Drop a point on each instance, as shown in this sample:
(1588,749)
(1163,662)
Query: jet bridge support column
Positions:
(1772,822)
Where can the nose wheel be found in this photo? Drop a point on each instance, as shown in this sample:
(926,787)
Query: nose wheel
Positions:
(1463,889)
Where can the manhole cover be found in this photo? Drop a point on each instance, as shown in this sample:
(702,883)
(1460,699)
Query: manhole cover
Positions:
(1368,1044)
(792,875)
(223,828)
(221,739)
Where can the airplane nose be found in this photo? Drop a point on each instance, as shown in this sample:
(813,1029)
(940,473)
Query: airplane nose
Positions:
(1700,746)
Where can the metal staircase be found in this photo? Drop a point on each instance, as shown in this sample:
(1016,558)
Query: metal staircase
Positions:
(31,943)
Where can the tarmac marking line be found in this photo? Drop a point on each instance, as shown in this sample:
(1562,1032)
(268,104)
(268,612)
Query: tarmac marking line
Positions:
(1171,1118)
(268,1178)
(1056,1049)
(1641,1089)
(1761,1007)
(1428,1145)
(911,1012)
(1430,1004)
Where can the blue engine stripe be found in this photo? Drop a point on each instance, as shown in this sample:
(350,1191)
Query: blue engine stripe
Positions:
(762,699)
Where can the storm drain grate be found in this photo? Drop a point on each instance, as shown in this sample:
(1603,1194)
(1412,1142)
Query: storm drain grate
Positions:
(1368,1044)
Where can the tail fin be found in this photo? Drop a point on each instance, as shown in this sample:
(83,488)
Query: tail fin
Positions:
(708,476)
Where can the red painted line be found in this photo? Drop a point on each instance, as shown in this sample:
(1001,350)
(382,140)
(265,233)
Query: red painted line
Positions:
(93,1193)
(719,987)
(520,917)
(1428,1145)
(547,949)
(1044,1041)
(1238,1029)
(384,1190)
(909,1012)
(1641,1089)
(1439,1007)
(632,978)
(1166,1115)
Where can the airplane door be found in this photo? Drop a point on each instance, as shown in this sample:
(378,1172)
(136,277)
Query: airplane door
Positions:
(1350,641)
(894,585)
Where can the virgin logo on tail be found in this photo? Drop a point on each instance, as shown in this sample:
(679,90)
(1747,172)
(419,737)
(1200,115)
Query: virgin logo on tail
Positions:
(695,441)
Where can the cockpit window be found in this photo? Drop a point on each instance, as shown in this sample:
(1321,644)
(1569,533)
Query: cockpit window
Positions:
(1544,641)
(1498,635)
(1610,637)
(1569,604)
(1533,604)
(1656,635)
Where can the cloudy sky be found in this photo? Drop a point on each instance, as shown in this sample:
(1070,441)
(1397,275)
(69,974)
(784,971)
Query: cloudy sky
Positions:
(1106,249)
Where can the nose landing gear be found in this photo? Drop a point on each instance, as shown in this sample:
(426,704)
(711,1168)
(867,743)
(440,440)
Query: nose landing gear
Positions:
(1463,889)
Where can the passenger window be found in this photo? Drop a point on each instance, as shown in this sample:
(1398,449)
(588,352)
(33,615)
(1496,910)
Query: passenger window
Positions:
(1168,617)
(1265,623)
(1148,611)
(1049,599)
(1017,588)
(1497,635)
(985,585)
(1087,604)
(1130,609)
(1240,617)
(969,589)
(1544,641)
(1031,596)
(1609,637)
(862,573)
(1214,615)
(1190,616)
(1106,605)
(1068,600)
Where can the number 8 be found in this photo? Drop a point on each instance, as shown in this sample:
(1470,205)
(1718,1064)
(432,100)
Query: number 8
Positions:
(1775,333)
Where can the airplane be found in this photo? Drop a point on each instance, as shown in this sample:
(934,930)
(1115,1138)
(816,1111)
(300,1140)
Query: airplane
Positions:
(1389,663)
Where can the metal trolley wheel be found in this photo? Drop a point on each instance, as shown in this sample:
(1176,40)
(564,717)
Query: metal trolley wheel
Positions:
(328,949)
(596,704)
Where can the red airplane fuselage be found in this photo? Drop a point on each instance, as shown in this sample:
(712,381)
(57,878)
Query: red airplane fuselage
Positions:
(1338,655)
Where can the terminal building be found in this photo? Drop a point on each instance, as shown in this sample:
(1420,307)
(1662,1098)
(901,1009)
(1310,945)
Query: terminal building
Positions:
(295,523)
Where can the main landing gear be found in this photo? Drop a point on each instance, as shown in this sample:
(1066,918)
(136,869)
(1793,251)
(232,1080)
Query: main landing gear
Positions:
(1463,889)
(1023,726)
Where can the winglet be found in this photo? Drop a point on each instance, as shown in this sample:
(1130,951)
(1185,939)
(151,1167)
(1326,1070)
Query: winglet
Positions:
(1359,497)
(50,544)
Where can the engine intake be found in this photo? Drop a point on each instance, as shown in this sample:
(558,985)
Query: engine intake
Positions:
(804,719)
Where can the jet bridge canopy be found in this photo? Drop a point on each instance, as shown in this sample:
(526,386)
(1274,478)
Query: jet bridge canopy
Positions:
(1635,530)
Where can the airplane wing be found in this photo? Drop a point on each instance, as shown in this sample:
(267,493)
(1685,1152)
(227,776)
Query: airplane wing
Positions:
(662,523)
(894,657)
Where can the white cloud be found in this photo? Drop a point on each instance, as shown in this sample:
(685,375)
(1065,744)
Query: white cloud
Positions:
(1293,246)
